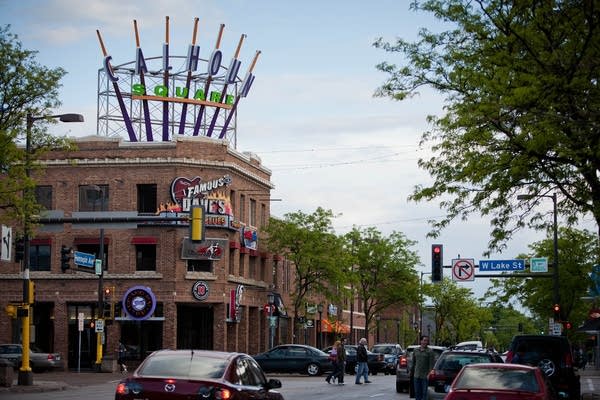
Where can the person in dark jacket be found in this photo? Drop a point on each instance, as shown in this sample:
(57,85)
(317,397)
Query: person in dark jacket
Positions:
(341,361)
(361,360)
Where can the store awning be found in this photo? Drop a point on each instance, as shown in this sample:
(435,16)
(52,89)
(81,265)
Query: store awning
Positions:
(328,326)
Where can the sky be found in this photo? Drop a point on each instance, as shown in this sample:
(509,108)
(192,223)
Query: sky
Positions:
(310,116)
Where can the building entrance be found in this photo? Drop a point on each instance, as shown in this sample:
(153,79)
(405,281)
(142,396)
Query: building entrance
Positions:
(194,327)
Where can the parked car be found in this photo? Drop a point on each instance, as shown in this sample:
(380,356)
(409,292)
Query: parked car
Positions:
(375,361)
(297,358)
(38,360)
(391,352)
(403,378)
(500,381)
(178,374)
(448,365)
(554,356)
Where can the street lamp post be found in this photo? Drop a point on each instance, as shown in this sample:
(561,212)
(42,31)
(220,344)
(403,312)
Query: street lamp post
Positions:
(421,302)
(319,326)
(25,376)
(271,301)
(555,276)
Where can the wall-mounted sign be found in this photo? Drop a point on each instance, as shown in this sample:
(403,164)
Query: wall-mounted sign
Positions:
(249,237)
(139,302)
(187,192)
(200,290)
(234,311)
(209,249)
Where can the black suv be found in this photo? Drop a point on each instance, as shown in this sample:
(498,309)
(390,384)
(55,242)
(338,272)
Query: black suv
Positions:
(553,355)
(449,364)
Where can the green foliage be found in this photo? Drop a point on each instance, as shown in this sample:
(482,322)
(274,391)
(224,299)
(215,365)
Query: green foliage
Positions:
(519,81)
(314,251)
(25,88)
(383,272)
(578,251)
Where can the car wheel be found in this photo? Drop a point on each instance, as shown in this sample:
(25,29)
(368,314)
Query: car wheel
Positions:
(313,369)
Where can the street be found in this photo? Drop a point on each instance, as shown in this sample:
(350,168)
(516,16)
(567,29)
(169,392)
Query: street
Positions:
(294,387)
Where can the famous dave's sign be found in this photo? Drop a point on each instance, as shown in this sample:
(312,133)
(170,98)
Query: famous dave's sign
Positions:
(192,95)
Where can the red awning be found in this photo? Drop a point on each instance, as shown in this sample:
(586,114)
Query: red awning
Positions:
(144,240)
(334,327)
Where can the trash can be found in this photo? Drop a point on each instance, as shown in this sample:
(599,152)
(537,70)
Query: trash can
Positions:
(7,373)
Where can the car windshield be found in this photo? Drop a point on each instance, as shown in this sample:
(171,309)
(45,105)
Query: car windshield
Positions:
(176,366)
(497,379)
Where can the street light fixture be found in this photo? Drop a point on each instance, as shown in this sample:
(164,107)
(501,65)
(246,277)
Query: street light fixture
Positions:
(320,327)
(25,377)
(556,294)
(271,301)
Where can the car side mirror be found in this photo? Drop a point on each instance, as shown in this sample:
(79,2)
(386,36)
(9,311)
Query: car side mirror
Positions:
(273,384)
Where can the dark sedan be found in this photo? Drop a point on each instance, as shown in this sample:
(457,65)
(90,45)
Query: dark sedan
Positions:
(296,358)
(375,361)
(198,374)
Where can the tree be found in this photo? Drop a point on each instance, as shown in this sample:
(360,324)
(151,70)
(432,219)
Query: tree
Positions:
(456,313)
(578,252)
(383,272)
(25,87)
(520,83)
(315,252)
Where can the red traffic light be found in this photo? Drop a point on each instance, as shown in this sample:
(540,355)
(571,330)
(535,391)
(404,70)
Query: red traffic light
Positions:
(556,308)
(437,249)
(568,325)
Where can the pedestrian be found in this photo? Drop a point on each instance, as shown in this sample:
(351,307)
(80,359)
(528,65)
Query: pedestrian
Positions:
(333,356)
(422,363)
(362,361)
(121,359)
(341,361)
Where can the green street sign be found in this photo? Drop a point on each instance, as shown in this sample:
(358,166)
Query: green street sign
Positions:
(538,264)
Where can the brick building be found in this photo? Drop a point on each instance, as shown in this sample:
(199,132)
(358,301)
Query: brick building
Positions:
(168,291)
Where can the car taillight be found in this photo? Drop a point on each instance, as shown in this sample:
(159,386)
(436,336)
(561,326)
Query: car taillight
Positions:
(568,360)
(122,389)
(50,357)
(436,375)
(403,362)
(223,394)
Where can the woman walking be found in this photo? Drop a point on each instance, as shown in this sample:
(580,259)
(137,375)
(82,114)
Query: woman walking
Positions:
(333,357)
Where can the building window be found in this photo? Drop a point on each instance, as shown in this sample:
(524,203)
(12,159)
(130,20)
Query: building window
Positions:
(263,269)
(146,198)
(39,257)
(253,212)
(199,265)
(93,198)
(263,215)
(43,196)
(252,267)
(232,201)
(241,266)
(145,257)
(242,207)
(232,259)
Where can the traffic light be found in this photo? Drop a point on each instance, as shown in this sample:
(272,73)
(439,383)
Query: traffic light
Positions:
(19,249)
(11,310)
(567,325)
(437,262)
(65,258)
(197,223)
(556,311)
(109,305)
(92,324)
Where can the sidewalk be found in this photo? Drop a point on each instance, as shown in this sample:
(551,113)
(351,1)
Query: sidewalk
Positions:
(62,380)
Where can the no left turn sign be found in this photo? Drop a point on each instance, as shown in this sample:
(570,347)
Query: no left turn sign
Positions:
(463,269)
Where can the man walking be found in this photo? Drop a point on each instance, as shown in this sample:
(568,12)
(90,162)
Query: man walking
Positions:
(361,360)
(341,360)
(422,363)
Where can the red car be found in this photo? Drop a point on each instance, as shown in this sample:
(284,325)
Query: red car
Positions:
(500,382)
(198,374)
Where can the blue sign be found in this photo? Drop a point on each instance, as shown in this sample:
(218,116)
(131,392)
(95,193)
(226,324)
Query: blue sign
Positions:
(84,259)
(501,265)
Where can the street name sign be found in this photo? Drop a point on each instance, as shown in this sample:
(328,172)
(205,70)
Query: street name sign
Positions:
(83,259)
(501,265)
(538,264)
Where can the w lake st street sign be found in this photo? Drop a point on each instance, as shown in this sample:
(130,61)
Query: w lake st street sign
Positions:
(501,265)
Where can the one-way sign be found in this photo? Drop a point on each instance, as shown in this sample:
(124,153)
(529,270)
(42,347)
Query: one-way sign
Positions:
(501,265)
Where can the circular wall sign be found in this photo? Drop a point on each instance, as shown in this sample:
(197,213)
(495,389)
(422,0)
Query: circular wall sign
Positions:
(139,302)
(200,290)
